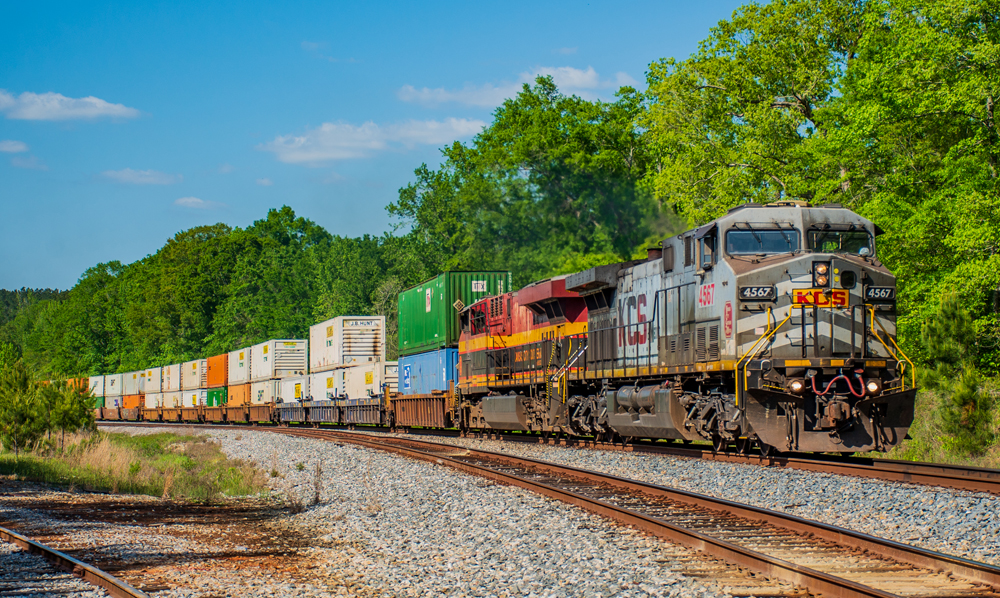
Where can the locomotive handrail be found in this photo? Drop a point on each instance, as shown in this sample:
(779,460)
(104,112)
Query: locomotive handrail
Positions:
(913,369)
(741,380)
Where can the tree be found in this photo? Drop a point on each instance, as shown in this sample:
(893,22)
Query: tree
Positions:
(73,411)
(21,421)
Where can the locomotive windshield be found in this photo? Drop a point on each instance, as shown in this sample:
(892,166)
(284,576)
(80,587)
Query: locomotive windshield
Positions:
(761,241)
(840,241)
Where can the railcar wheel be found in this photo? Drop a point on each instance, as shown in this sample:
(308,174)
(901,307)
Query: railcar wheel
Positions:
(766,450)
(719,445)
(743,446)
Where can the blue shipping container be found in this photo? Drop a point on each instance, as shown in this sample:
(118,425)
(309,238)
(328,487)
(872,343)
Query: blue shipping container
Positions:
(424,373)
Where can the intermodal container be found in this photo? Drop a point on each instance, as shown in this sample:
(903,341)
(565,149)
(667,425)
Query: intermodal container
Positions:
(98,402)
(217,397)
(275,359)
(172,400)
(171,378)
(97,386)
(131,381)
(370,380)
(346,340)
(152,400)
(424,373)
(80,384)
(194,398)
(264,392)
(239,366)
(218,371)
(429,312)
(113,402)
(113,384)
(239,394)
(326,385)
(132,401)
(294,389)
(153,380)
(194,375)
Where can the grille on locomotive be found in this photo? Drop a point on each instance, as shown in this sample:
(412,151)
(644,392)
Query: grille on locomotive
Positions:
(772,325)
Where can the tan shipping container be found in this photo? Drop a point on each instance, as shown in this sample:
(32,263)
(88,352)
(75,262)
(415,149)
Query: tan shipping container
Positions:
(194,375)
(153,380)
(275,359)
(171,378)
(346,340)
(239,394)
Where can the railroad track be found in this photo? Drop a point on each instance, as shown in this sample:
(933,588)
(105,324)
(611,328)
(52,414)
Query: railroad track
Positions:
(26,580)
(808,555)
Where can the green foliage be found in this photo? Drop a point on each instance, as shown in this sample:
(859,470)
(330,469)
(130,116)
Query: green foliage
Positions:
(948,335)
(22,417)
(967,413)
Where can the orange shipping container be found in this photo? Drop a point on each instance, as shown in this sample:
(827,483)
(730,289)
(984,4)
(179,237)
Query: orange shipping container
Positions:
(218,371)
(238,395)
(132,402)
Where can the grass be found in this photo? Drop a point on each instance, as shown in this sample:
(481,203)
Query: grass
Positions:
(169,465)
(928,441)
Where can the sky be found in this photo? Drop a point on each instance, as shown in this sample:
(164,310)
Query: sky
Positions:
(122,124)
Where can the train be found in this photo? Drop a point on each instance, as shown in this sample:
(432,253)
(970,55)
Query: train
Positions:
(770,329)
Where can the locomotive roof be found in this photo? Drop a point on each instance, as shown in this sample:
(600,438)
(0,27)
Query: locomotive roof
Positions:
(787,214)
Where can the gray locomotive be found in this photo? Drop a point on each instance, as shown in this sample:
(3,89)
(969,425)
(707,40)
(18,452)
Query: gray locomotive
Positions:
(773,325)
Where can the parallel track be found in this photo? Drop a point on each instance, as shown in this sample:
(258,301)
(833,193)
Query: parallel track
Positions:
(114,586)
(819,557)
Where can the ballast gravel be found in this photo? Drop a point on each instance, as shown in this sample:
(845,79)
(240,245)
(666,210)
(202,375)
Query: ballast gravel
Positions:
(391,526)
(27,575)
(955,522)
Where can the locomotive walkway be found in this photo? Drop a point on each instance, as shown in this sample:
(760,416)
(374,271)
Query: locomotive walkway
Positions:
(818,557)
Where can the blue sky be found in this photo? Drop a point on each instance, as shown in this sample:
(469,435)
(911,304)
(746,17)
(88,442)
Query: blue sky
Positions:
(122,124)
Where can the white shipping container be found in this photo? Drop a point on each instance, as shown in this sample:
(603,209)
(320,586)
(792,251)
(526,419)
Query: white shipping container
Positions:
(130,380)
(113,402)
(275,359)
(172,399)
(97,386)
(171,378)
(239,366)
(327,385)
(264,392)
(153,400)
(113,384)
(153,380)
(368,380)
(194,375)
(293,390)
(194,398)
(346,340)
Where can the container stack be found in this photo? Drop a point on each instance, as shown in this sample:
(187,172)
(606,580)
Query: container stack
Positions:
(113,385)
(428,344)
(96,386)
(153,385)
(132,387)
(217,380)
(273,361)
(340,346)
(238,376)
(171,386)
(194,382)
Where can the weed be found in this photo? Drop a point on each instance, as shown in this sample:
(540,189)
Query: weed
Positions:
(300,467)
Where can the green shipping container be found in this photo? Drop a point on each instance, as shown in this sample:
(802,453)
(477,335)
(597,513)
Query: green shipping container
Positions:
(217,397)
(98,402)
(429,312)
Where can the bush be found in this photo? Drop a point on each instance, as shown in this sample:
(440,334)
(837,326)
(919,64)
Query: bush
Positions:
(966,414)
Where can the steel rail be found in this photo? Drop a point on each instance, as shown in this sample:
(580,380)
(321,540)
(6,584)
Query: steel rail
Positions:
(956,477)
(770,566)
(111,584)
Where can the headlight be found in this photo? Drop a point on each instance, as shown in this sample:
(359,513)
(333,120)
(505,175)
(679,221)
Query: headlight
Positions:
(821,274)
(796,386)
(873,386)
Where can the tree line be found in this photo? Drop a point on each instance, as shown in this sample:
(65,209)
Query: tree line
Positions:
(884,106)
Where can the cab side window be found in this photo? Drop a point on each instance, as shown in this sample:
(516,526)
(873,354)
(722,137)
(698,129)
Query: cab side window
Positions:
(707,251)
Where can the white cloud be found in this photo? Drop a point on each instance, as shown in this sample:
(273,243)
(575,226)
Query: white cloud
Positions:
(9,146)
(142,177)
(265,182)
(573,81)
(29,162)
(565,51)
(198,203)
(55,106)
(342,141)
